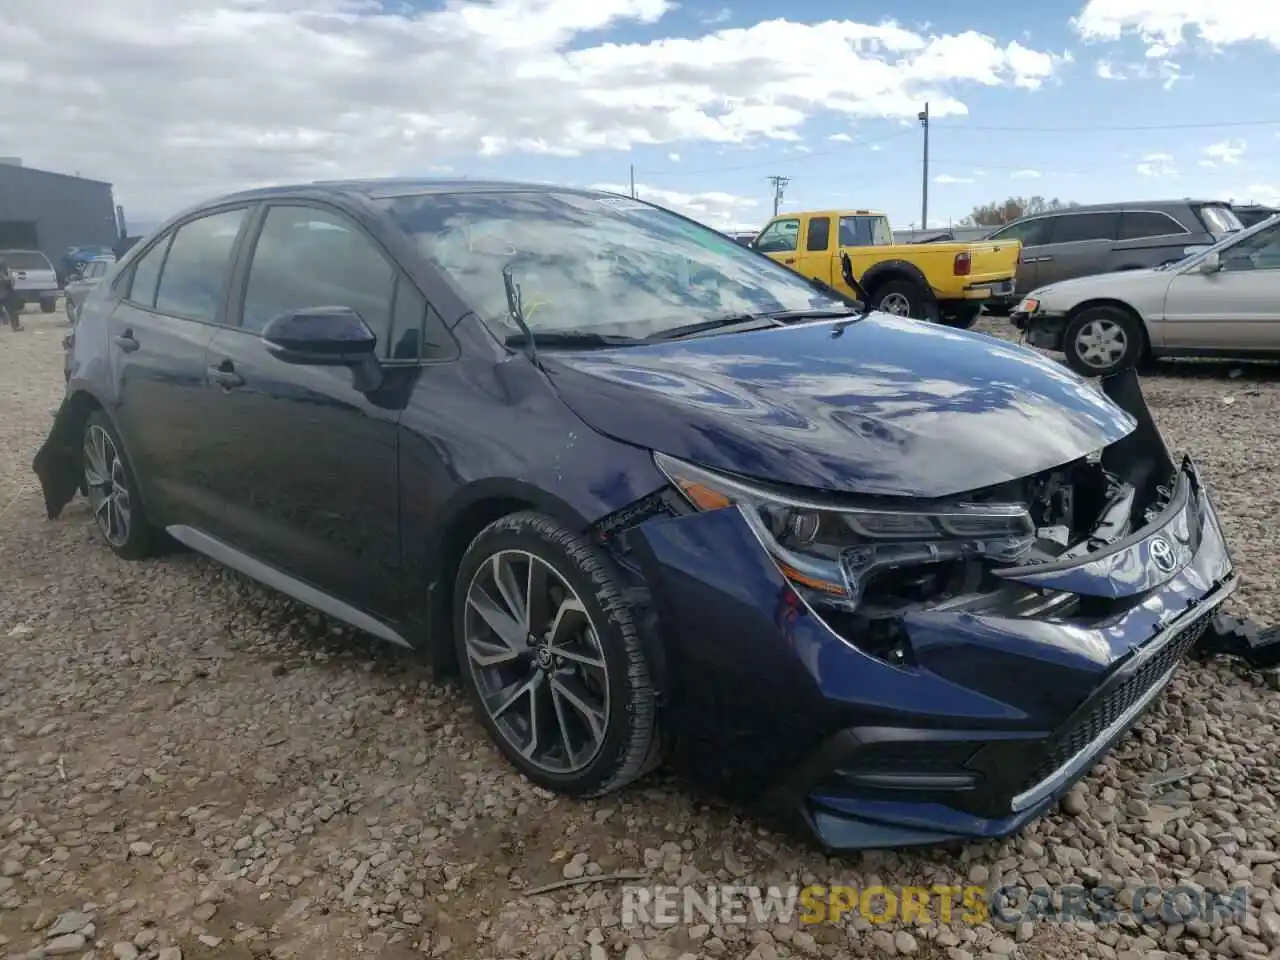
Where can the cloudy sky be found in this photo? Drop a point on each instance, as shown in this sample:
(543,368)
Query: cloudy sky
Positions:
(1088,100)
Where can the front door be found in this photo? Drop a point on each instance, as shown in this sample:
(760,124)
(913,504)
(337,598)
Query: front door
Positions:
(780,241)
(309,483)
(170,303)
(1236,308)
(1077,245)
(1031,233)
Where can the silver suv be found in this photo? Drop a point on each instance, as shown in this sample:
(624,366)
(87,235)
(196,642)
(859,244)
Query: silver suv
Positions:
(1103,238)
(34,279)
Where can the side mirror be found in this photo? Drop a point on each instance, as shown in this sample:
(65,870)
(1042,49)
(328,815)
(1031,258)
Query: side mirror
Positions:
(1212,263)
(326,337)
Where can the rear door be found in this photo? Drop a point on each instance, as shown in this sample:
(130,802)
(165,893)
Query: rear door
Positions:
(1237,308)
(309,479)
(1077,245)
(1148,238)
(173,297)
(814,259)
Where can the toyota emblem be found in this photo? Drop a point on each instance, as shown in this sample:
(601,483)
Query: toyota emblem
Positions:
(1162,554)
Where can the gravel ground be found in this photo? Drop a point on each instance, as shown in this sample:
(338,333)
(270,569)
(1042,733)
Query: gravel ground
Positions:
(194,767)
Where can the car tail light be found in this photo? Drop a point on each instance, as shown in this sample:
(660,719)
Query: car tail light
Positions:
(963,264)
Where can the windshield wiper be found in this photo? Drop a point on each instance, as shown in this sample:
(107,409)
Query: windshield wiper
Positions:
(571,338)
(752,321)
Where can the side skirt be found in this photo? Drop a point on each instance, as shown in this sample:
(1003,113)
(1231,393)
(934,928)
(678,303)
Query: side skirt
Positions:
(278,580)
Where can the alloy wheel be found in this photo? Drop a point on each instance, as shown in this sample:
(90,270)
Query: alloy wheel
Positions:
(896,304)
(537,662)
(106,485)
(1101,343)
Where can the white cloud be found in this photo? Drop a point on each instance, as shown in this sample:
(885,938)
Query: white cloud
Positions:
(716,17)
(673,157)
(841,138)
(1106,71)
(1165,24)
(948,178)
(1025,175)
(716,209)
(1228,152)
(151,94)
(1157,165)
(1266,194)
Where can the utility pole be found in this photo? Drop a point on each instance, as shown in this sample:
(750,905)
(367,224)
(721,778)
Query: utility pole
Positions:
(924,183)
(633,181)
(779,185)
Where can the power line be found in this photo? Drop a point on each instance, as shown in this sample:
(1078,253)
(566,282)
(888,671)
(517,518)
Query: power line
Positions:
(1120,128)
(757,164)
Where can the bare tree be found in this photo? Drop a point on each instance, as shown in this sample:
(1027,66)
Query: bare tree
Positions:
(1006,211)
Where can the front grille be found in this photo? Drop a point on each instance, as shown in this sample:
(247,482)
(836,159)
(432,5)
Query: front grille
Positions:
(1086,729)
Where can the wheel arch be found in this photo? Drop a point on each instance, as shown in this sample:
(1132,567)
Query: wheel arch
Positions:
(462,519)
(887,271)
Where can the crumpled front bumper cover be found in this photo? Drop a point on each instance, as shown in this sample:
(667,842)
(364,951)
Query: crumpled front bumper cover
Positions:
(993,721)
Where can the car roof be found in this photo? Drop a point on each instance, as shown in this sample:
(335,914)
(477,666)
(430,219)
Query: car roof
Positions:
(386,188)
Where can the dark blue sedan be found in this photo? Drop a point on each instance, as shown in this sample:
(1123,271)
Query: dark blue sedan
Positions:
(651,494)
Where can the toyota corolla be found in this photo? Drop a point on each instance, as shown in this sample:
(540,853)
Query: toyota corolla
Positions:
(651,494)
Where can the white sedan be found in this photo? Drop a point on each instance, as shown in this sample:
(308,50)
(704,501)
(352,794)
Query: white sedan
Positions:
(1222,300)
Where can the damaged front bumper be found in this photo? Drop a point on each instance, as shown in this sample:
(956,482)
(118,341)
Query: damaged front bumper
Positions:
(994,715)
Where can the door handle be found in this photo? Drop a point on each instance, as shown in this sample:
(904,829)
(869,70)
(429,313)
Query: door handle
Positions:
(1045,260)
(225,376)
(127,342)
(789,260)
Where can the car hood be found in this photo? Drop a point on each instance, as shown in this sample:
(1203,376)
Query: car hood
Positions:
(889,406)
(1079,286)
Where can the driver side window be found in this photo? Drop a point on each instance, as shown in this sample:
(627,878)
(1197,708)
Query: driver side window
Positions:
(781,236)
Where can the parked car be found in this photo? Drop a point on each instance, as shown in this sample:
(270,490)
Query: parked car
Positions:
(1223,300)
(1251,214)
(743,237)
(651,494)
(944,281)
(1104,238)
(35,280)
(87,276)
(76,257)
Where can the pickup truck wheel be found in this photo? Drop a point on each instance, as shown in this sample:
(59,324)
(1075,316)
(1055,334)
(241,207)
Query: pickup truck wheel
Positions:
(48,306)
(1102,341)
(902,298)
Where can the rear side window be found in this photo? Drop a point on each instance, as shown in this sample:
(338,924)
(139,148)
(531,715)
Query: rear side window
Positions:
(1137,224)
(1075,227)
(865,231)
(146,274)
(26,260)
(195,272)
(819,234)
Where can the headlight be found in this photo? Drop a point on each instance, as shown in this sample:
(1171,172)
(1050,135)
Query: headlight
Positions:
(833,551)
(1029,305)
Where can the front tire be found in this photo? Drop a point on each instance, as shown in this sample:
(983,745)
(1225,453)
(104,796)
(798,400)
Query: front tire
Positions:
(1102,341)
(551,654)
(112,491)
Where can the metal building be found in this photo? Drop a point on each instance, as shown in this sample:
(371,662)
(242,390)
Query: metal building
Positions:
(53,211)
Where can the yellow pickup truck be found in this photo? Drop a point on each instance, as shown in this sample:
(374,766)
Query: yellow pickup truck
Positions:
(938,281)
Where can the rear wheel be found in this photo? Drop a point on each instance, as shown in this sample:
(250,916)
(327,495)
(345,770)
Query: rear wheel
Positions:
(112,491)
(550,652)
(1102,341)
(904,298)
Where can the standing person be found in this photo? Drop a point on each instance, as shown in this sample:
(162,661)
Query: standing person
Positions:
(9,298)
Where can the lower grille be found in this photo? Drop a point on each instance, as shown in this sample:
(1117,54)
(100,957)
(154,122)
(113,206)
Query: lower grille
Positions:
(1067,743)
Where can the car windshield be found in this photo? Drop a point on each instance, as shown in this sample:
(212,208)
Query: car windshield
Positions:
(594,262)
(25,260)
(1220,219)
(1231,240)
